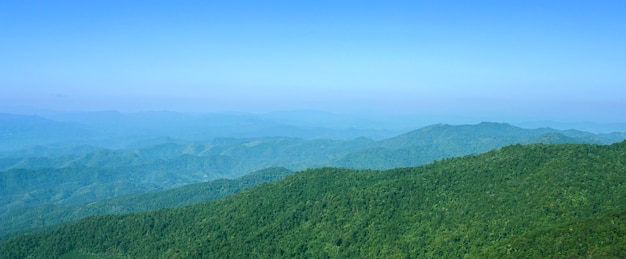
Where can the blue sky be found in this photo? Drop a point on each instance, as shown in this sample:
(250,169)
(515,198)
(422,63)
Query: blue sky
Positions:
(526,60)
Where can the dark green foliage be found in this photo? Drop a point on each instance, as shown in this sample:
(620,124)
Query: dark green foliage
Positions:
(602,236)
(527,197)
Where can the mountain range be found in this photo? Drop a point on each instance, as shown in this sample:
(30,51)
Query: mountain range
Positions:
(65,131)
(115,130)
(520,201)
(70,176)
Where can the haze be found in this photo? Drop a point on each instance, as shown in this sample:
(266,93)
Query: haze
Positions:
(487,60)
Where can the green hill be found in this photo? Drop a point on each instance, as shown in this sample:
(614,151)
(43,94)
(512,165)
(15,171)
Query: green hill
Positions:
(33,218)
(519,201)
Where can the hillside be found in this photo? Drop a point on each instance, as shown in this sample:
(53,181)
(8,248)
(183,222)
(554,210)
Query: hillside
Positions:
(69,179)
(571,198)
(32,218)
(78,184)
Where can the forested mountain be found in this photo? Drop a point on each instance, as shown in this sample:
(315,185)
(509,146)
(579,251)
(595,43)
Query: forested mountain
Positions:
(33,217)
(441,140)
(50,176)
(537,201)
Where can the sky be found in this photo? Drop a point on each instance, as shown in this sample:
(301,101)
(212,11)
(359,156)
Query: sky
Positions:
(524,60)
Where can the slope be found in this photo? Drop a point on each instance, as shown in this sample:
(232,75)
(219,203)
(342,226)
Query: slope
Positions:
(100,174)
(460,207)
(602,236)
(34,217)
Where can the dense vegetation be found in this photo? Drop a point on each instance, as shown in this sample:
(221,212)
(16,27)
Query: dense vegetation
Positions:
(24,219)
(520,201)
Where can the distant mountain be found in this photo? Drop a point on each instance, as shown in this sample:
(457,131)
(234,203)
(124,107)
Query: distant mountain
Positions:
(483,137)
(370,126)
(539,201)
(595,127)
(32,218)
(20,131)
(441,141)
(115,130)
(105,175)
(206,126)
(86,177)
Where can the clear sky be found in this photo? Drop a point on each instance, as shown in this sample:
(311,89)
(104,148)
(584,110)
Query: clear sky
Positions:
(506,59)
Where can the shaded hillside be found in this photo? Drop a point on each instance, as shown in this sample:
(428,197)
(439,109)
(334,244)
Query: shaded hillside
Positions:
(100,174)
(78,184)
(461,207)
(29,218)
